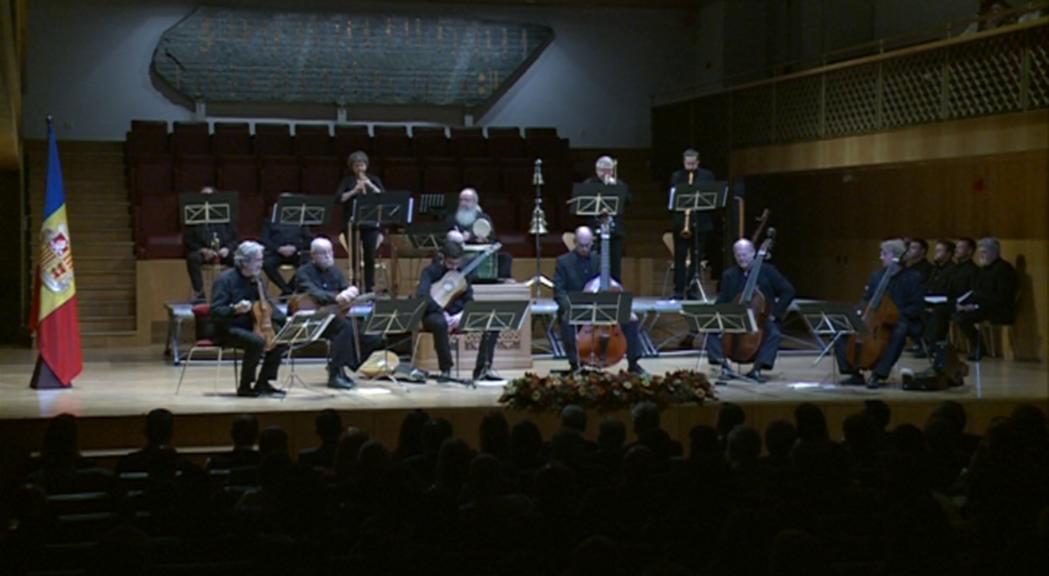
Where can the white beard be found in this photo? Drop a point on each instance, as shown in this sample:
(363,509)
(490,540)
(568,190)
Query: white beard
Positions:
(465,218)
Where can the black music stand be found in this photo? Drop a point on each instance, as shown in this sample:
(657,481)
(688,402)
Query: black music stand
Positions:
(596,199)
(390,208)
(427,237)
(708,196)
(834,320)
(712,318)
(215,208)
(301,330)
(493,316)
(302,210)
(598,309)
(390,317)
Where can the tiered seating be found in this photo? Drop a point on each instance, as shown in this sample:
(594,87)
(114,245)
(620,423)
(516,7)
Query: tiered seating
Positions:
(275,158)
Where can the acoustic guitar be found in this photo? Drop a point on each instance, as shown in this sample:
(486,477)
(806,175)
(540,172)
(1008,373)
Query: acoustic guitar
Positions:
(454,283)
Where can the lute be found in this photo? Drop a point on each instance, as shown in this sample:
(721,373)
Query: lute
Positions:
(454,283)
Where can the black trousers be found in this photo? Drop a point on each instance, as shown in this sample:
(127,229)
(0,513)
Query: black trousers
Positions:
(568,336)
(615,256)
(252,344)
(369,237)
(967,321)
(436,324)
(271,264)
(682,248)
(767,353)
(344,339)
(194,264)
(937,323)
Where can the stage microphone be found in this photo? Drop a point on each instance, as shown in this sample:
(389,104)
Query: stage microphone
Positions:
(537,176)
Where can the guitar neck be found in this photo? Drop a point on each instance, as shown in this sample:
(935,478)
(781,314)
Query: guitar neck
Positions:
(480,258)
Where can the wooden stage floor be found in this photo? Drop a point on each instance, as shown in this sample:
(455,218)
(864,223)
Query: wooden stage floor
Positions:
(125,382)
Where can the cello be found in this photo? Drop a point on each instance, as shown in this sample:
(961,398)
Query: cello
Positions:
(880,316)
(262,311)
(743,348)
(602,346)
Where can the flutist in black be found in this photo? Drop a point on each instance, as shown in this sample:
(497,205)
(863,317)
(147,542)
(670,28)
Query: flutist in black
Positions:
(572,273)
(327,285)
(232,297)
(775,287)
(604,172)
(360,182)
(286,244)
(441,321)
(700,226)
(993,296)
(207,244)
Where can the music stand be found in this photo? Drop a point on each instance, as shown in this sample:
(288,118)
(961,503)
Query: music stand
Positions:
(597,199)
(493,316)
(197,209)
(708,196)
(395,317)
(390,208)
(427,237)
(598,309)
(831,319)
(712,318)
(302,210)
(301,330)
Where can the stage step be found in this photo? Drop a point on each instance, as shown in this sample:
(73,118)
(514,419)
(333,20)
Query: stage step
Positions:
(106,324)
(114,249)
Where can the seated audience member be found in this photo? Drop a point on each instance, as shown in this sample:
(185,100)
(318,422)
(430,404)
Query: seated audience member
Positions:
(645,416)
(993,296)
(495,435)
(273,439)
(244,432)
(780,436)
(730,415)
(328,426)
(160,429)
(61,468)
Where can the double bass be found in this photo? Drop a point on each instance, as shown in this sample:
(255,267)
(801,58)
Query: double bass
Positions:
(880,316)
(262,311)
(743,348)
(602,346)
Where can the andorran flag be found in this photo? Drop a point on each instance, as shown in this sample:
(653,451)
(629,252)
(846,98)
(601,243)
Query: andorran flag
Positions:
(54,317)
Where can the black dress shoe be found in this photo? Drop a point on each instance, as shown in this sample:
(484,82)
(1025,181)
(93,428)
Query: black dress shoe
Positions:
(757,376)
(636,368)
(727,373)
(264,388)
(854,379)
(246,392)
(199,298)
(874,382)
(444,376)
(340,382)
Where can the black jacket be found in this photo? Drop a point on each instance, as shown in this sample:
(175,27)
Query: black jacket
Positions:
(701,221)
(433,273)
(572,273)
(346,184)
(994,290)
(939,281)
(617,226)
(905,289)
(231,287)
(322,285)
(963,277)
(275,235)
(772,283)
(200,236)
(924,269)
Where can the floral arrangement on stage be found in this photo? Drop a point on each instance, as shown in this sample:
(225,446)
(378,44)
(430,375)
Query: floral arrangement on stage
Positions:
(605,390)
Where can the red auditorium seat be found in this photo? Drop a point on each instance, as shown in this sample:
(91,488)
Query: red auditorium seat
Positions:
(352,137)
(231,139)
(190,139)
(544,143)
(156,218)
(392,141)
(441,176)
(505,143)
(482,174)
(468,143)
(194,172)
(252,213)
(321,175)
(429,142)
(150,175)
(147,137)
(312,140)
(238,173)
(278,174)
(401,174)
(272,140)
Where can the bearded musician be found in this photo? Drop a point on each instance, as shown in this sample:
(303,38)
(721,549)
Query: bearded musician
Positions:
(359,183)
(467,216)
(441,321)
(325,284)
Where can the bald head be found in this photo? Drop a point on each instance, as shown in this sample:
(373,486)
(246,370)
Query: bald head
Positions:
(743,250)
(584,240)
(468,199)
(321,253)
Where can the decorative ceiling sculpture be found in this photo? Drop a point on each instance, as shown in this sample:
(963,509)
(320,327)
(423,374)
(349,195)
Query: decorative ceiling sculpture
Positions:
(226,55)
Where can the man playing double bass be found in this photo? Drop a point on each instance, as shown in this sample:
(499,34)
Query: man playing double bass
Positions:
(324,283)
(232,298)
(573,271)
(906,290)
(776,289)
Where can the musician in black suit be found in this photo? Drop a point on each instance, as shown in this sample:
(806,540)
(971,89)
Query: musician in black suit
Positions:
(325,283)
(965,269)
(207,244)
(993,297)
(906,291)
(285,244)
(439,321)
(917,258)
(702,224)
(776,289)
(941,276)
(573,271)
(232,297)
(604,173)
(360,182)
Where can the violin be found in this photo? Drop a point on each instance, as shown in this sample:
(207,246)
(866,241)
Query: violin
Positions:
(880,316)
(743,348)
(262,311)
(602,346)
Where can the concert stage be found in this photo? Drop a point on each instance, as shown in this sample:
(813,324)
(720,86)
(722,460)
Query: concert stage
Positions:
(118,386)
